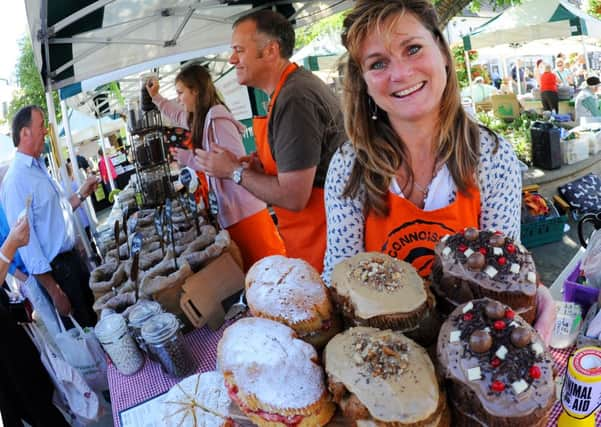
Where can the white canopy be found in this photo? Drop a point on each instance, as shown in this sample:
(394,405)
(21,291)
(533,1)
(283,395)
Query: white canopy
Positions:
(534,20)
(76,40)
(85,127)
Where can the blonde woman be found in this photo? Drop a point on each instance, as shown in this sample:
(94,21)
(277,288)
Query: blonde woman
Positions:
(416,166)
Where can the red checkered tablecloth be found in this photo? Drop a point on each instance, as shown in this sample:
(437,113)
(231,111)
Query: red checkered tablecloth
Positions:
(150,381)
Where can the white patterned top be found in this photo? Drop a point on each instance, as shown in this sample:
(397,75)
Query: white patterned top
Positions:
(500,181)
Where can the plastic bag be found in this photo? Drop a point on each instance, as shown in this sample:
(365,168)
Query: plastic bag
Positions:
(82,351)
(42,304)
(591,262)
(74,395)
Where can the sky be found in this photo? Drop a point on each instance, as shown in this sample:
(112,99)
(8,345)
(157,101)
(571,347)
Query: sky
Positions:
(13,25)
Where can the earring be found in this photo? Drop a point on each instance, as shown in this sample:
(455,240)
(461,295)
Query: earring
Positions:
(373,108)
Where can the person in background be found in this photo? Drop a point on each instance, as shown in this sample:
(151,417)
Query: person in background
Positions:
(548,90)
(479,91)
(82,163)
(539,69)
(416,163)
(104,172)
(202,110)
(295,141)
(50,254)
(564,75)
(25,387)
(586,102)
(507,86)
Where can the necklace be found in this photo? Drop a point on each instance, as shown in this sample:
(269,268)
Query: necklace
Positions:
(426,190)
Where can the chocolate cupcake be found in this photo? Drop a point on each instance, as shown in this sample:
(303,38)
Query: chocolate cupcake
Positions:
(496,368)
(476,264)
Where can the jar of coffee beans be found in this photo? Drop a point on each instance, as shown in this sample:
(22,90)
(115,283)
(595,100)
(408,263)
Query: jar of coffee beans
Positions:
(164,340)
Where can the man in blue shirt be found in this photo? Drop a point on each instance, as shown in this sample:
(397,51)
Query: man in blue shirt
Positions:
(50,254)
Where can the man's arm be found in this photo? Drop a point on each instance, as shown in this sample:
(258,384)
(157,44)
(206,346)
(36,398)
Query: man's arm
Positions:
(288,190)
(87,188)
(59,298)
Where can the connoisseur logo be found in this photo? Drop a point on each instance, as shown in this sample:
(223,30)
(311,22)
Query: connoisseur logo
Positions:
(414,243)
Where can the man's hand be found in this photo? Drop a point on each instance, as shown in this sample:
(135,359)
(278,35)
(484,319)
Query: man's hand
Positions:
(252,162)
(89,186)
(152,86)
(545,313)
(218,162)
(60,300)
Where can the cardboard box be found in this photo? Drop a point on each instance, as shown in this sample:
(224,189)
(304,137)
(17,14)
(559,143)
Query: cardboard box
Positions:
(505,107)
(204,293)
(574,150)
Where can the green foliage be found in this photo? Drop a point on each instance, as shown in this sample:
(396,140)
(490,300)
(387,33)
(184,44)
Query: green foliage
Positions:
(306,35)
(594,8)
(461,67)
(516,132)
(30,89)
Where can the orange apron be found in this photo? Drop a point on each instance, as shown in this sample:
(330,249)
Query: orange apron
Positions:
(202,192)
(410,233)
(304,232)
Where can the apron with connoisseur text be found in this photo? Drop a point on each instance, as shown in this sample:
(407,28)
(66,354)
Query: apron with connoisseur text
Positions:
(410,233)
(304,232)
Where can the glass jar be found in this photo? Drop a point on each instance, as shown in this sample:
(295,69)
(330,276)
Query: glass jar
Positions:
(164,340)
(133,115)
(145,98)
(155,147)
(114,337)
(140,313)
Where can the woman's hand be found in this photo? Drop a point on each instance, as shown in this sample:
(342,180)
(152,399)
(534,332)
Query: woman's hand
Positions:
(152,86)
(545,313)
(19,234)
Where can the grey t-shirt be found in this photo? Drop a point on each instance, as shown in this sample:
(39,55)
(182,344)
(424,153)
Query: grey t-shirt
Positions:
(306,125)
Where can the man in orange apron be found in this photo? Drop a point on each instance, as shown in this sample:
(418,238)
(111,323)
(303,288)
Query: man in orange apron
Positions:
(295,141)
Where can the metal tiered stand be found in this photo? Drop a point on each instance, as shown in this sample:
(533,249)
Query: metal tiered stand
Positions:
(149,154)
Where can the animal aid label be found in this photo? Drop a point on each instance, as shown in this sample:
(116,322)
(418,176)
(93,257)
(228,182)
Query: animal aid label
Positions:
(581,392)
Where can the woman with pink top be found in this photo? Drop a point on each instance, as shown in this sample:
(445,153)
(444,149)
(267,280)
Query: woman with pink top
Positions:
(203,112)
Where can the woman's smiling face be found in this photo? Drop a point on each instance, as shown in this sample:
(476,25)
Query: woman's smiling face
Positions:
(404,70)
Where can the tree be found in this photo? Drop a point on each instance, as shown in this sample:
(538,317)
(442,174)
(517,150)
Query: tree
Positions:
(30,89)
(594,8)
(448,9)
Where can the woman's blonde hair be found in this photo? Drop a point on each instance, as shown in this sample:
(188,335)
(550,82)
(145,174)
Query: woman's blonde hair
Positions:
(196,77)
(380,150)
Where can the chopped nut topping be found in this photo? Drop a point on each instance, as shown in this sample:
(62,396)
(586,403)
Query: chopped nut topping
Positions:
(379,273)
(384,356)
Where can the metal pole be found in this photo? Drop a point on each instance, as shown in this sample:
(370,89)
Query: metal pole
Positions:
(65,178)
(87,205)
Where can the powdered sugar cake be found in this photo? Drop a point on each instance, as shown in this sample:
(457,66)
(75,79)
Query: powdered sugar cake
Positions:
(273,376)
(291,291)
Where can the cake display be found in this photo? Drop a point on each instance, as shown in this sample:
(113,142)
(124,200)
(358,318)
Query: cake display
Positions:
(198,401)
(291,291)
(384,378)
(475,264)
(497,370)
(376,290)
(273,377)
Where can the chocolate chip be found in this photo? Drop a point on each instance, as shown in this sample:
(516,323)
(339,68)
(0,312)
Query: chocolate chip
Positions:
(520,337)
(497,240)
(480,341)
(495,310)
(476,261)
(471,234)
